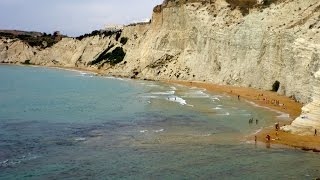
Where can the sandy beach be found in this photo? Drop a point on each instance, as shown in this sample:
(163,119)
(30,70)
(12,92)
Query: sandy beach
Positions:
(270,100)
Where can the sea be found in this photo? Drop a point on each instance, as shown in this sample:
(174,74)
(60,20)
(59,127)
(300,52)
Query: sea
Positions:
(63,124)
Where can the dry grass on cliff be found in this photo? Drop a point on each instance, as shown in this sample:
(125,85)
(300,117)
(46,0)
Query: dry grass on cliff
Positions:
(245,5)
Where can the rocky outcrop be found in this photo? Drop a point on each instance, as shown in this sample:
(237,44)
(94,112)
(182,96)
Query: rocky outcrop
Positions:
(211,41)
(15,51)
(309,120)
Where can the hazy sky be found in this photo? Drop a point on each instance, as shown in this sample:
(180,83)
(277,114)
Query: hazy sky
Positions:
(72,17)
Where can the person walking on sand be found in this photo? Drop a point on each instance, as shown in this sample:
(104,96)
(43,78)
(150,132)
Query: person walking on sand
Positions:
(277,126)
(315,132)
(268,138)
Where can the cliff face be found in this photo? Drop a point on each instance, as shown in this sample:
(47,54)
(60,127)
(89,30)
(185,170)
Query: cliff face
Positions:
(15,51)
(215,42)
(211,42)
(309,120)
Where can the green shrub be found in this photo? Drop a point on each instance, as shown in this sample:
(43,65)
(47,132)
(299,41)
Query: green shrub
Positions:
(114,57)
(100,33)
(124,40)
(243,5)
(246,5)
(32,40)
(118,36)
(275,86)
(102,56)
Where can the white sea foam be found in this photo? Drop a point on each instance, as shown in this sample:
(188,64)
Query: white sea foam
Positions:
(80,139)
(257,131)
(164,93)
(284,116)
(281,114)
(215,99)
(217,108)
(111,77)
(160,130)
(86,74)
(152,85)
(16,161)
(177,99)
(245,114)
(150,97)
(196,94)
(173,88)
(143,131)
(225,114)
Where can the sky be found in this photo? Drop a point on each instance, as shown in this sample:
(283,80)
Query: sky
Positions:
(72,17)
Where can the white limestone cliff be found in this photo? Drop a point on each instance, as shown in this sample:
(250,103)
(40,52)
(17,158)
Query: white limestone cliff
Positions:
(309,120)
(15,51)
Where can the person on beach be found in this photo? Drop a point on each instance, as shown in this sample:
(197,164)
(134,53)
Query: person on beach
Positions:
(268,138)
(257,121)
(255,139)
(315,132)
(250,120)
(277,126)
(238,97)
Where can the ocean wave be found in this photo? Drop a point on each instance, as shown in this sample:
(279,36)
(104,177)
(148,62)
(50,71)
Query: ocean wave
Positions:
(281,114)
(80,139)
(257,131)
(143,131)
(215,98)
(196,94)
(225,114)
(173,88)
(153,85)
(164,93)
(178,100)
(111,77)
(160,130)
(150,97)
(217,108)
(284,116)
(16,161)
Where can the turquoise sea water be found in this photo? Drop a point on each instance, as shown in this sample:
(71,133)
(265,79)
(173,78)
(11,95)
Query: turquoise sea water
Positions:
(57,124)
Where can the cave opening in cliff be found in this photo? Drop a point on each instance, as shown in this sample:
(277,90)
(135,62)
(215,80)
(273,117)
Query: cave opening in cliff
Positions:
(275,86)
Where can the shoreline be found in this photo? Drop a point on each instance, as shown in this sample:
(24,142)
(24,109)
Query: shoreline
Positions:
(290,108)
(286,106)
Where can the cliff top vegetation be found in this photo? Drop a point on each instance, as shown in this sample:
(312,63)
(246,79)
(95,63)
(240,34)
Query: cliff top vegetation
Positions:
(41,40)
(243,5)
(99,33)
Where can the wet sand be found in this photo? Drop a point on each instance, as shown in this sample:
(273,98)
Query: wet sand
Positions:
(266,99)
